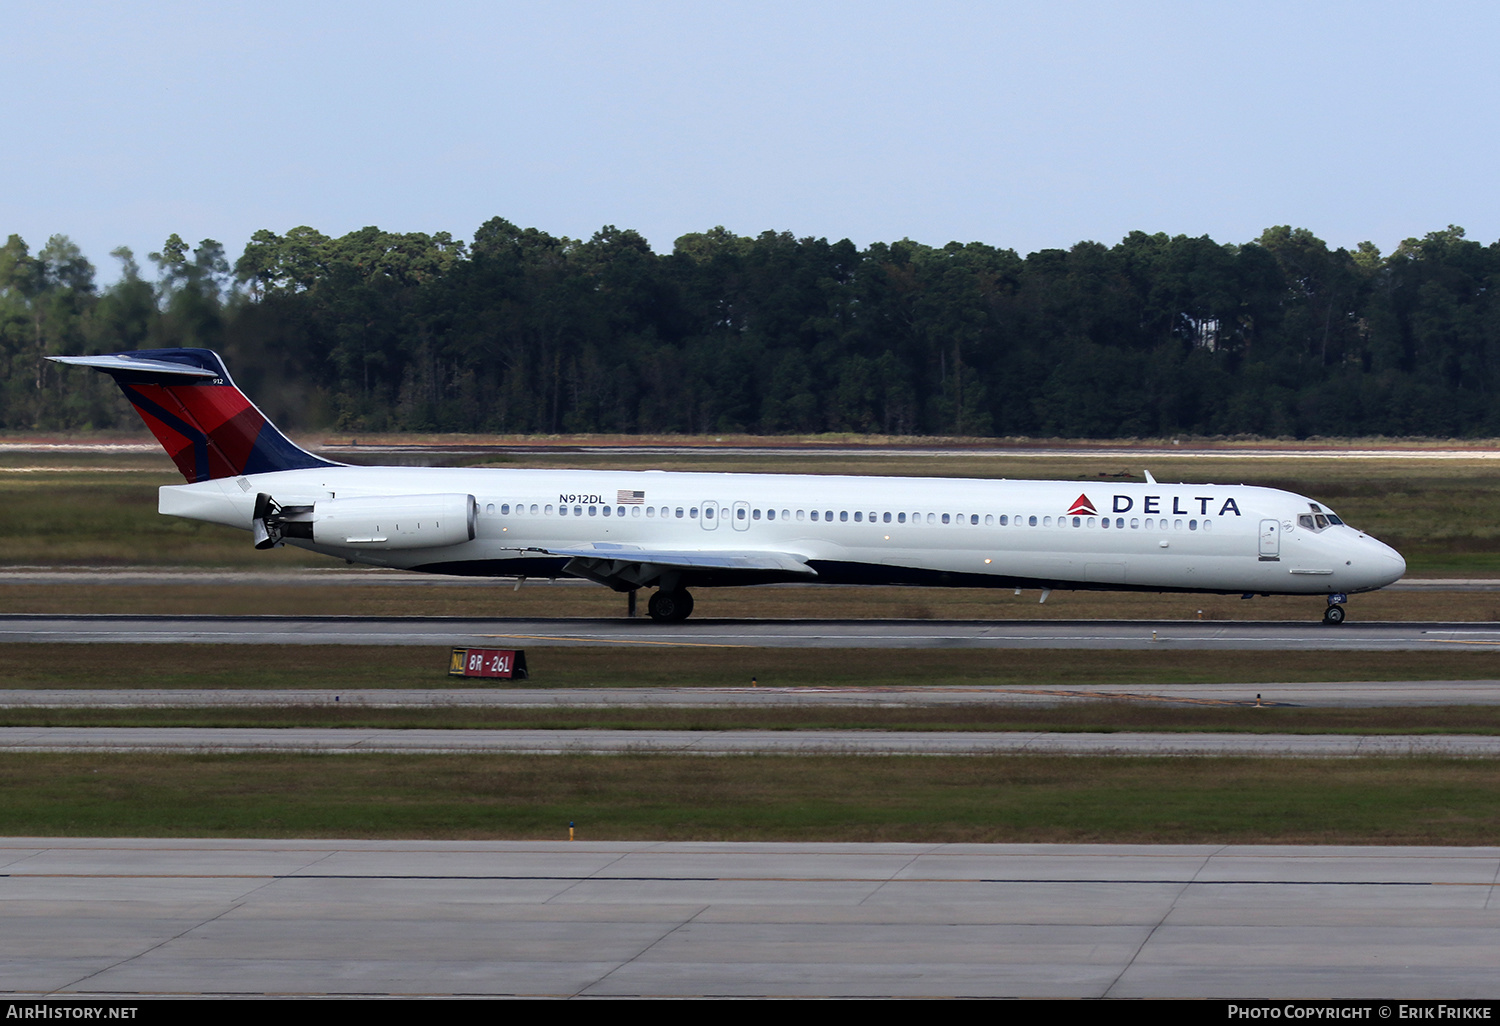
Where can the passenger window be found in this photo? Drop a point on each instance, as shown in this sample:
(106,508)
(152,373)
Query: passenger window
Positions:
(635,511)
(1192,525)
(1077,521)
(1033,521)
(1207,524)
(844,516)
(607,511)
(593,510)
(693,513)
(828,514)
(900,518)
(739,514)
(815,516)
(945,518)
(989,520)
(549,509)
(886,518)
(679,512)
(753,516)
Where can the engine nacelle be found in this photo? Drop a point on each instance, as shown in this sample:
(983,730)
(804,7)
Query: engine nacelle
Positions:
(393,521)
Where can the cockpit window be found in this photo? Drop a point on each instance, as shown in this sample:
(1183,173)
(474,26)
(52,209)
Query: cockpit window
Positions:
(1317,521)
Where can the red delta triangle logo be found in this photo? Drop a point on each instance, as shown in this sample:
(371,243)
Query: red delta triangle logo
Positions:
(1082,505)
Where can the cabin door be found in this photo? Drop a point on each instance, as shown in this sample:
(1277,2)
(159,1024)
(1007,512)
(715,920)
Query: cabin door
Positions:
(1270,540)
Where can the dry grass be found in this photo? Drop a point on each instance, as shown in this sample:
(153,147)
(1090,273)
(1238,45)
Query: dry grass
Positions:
(756,798)
(100,509)
(342,667)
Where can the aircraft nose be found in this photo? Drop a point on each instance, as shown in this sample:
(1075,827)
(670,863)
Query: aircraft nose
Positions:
(1388,565)
(1397,562)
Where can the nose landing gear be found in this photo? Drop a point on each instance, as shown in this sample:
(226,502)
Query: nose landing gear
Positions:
(1334,614)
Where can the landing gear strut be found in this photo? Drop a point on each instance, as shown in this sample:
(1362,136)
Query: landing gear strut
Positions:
(670,606)
(1334,614)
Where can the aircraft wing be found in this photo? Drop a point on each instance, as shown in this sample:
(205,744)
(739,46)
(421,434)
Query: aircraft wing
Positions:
(632,565)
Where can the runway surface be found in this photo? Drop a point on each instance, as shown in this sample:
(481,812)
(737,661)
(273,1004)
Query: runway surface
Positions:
(350,740)
(516,633)
(1336,694)
(128,918)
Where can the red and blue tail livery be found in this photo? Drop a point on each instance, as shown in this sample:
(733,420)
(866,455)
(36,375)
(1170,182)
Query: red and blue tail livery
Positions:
(192,406)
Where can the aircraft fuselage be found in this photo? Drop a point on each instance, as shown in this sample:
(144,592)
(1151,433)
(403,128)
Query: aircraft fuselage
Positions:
(828,529)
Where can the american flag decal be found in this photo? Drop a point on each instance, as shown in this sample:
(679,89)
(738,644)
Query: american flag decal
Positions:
(624,497)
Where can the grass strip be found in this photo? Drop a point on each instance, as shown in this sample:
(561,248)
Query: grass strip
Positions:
(1078,716)
(755,798)
(99,510)
(347,666)
(351,666)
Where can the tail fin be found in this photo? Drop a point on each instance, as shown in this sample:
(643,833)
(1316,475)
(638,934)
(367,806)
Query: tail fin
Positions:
(205,423)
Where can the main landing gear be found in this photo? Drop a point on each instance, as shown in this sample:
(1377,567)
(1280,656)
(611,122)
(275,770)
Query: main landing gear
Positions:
(670,606)
(1334,614)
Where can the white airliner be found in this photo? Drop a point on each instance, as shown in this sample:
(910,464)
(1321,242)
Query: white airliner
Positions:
(672,531)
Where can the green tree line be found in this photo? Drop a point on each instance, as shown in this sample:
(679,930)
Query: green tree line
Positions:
(519,331)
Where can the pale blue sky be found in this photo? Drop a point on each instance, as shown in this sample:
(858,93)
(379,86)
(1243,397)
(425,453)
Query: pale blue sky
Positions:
(1022,125)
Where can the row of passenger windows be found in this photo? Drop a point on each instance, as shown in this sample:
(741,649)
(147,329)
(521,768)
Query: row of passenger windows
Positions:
(858,516)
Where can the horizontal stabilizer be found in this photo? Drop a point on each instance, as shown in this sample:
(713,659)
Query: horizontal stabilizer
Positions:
(126,363)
